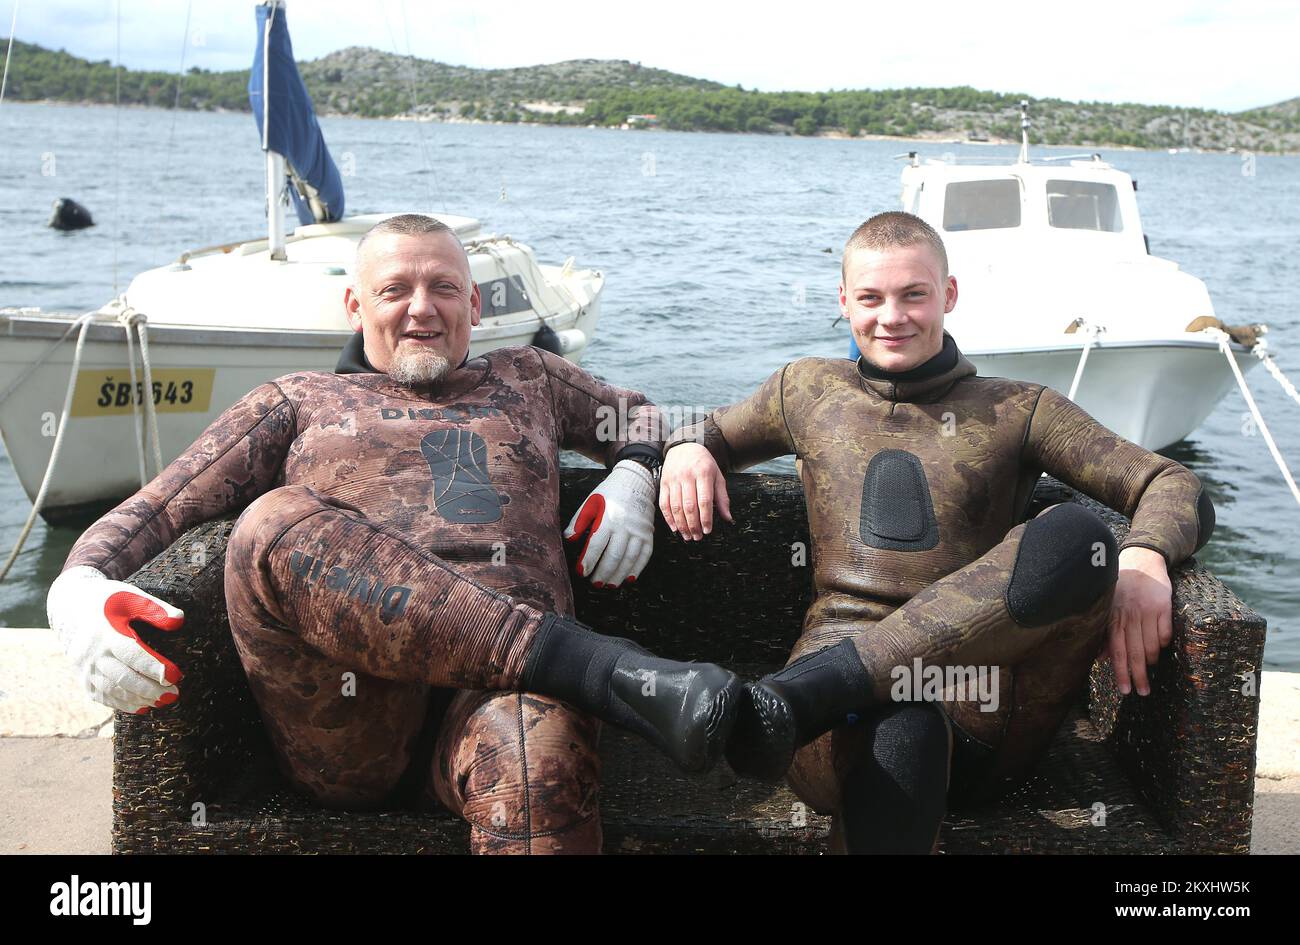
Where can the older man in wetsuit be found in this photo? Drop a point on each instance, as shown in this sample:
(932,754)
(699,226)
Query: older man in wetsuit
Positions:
(917,476)
(399,538)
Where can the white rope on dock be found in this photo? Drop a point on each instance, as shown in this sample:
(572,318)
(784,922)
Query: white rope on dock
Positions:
(136,323)
(124,320)
(84,321)
(1261,351)
(1093,332)
(1225,345)
(150,409)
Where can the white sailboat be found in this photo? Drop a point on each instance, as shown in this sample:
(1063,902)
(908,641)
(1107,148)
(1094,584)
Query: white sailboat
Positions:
(1056,286)
(221,320)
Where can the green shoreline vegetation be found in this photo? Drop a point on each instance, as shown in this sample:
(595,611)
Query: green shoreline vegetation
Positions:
(368,83)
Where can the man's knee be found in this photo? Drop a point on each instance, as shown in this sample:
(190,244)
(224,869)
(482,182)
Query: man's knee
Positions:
(1067,560)
(524,771)
(269,516)
(250,591)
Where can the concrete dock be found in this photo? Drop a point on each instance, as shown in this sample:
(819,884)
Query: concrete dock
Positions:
(56,756)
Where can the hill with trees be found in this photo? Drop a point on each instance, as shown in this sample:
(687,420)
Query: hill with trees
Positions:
(375,84)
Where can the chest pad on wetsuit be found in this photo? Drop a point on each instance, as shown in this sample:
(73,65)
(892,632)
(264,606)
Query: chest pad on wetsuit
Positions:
(462,490)
(897,512)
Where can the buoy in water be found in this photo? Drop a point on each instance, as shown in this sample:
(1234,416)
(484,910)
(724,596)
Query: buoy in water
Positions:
(70,215)
(548,340)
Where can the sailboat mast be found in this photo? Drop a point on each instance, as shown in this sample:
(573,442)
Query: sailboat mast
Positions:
(275,175)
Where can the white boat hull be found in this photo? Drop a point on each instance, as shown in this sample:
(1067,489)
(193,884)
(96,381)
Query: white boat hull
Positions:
(1153,393)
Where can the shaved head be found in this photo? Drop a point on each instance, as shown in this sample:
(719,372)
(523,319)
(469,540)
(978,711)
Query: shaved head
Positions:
(404,224)
(892,230)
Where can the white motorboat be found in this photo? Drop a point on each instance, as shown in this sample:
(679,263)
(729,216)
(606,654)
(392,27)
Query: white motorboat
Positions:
(1056,286)
(221,320)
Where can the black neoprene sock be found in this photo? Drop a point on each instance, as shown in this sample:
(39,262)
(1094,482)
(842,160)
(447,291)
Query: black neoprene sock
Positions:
(893,800)
(823,689)
(687,710)
(788,709)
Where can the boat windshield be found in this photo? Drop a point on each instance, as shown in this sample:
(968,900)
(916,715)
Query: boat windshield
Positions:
(1083,205)
(981,205)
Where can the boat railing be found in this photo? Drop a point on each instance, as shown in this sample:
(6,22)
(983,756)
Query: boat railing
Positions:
(1094,157)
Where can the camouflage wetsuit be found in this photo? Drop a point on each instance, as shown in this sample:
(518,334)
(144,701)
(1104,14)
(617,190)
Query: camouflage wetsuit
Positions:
(915,484)
(390,526)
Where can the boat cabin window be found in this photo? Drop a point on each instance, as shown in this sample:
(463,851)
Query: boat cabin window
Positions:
(981,205)
(1083,205)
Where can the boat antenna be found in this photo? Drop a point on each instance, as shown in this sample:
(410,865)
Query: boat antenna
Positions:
(1024,131)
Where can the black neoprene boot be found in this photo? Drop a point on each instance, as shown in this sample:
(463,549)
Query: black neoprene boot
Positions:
(686,710)
(786,710)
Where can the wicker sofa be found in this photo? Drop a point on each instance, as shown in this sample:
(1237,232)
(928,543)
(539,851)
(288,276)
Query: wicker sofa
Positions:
(1172,772)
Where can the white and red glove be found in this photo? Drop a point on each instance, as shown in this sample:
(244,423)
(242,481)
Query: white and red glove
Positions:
(620,518)
(92,616)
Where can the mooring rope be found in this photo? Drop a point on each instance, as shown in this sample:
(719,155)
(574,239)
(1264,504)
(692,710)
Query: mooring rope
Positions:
(1225,345)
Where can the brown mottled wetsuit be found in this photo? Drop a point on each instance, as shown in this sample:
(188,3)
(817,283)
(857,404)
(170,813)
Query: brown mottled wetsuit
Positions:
(917,484)
(409,537)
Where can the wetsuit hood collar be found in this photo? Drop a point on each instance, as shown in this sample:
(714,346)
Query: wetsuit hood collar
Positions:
(922,384)
(353,359)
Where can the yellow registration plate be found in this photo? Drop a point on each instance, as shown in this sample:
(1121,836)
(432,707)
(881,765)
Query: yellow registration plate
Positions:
(102,393)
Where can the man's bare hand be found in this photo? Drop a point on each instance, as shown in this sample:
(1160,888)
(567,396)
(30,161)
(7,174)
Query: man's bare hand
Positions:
(1141,617)
(689,486)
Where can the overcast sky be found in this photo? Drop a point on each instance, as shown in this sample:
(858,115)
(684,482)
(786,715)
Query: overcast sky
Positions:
(1223,55)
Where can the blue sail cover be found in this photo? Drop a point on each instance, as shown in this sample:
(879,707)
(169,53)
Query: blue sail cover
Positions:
(293,130)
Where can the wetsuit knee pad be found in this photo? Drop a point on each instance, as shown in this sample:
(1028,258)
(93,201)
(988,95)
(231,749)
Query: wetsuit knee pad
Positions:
(893,800)
(528,774)
(1204,519)
(1066,561)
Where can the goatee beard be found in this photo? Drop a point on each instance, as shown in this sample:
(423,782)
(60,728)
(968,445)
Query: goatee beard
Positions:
(414,367)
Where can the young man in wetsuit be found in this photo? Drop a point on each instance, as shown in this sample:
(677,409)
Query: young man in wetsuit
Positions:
(399,535)
(917,475)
